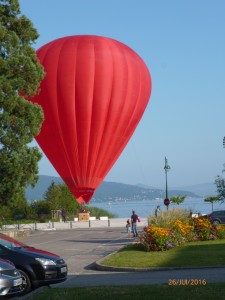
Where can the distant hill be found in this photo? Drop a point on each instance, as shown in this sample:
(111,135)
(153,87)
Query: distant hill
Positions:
(108,191)
(37,193)
(204,189)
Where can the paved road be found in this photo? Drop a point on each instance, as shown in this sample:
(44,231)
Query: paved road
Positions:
(81,248)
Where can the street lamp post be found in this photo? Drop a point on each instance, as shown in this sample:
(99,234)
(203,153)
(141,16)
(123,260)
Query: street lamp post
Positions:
(166,168)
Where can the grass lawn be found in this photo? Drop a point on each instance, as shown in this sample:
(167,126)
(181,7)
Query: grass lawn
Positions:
(143,292)
(194,254)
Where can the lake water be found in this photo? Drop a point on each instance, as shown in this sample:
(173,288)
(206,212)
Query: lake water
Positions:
(146,208)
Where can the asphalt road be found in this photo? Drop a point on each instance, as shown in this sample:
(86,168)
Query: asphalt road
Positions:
(81,248)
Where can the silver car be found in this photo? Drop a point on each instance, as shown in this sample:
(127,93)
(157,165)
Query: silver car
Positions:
(10,278)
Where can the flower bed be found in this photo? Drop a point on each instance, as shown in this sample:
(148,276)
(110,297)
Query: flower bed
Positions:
(155,238)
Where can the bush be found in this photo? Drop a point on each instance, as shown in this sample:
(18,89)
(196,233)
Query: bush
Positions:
(99,212)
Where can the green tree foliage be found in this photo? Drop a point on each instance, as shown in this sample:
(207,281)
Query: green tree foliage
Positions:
(58,196)
(38,208)
(212,200)
(20,120)
(178,199)
(220,185)
(14,210)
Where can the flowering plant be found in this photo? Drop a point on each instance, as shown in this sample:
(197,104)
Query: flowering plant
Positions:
(219,231)
(154,238)
(182,233)
(203,228)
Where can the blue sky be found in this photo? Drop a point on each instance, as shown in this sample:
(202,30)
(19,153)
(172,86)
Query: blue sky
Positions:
(183,45)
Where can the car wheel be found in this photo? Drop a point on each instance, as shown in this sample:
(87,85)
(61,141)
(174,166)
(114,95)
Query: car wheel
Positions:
(216,222)
(26,284)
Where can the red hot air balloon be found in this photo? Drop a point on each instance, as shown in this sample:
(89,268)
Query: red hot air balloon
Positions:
(93,96)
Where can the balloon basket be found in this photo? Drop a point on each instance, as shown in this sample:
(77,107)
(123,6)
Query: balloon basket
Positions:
(83,217)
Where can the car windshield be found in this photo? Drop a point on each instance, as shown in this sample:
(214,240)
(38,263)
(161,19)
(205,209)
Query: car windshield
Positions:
(10,243)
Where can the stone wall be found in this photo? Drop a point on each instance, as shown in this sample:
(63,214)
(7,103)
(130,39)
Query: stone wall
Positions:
(16,233)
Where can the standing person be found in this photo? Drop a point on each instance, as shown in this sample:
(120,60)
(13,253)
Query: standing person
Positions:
(134,220)
(64,215)
(157,210)
(128,226)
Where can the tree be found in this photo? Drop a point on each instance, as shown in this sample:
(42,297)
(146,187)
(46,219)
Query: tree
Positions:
(220,185)
(20,120)
(212,199)
(38,208)
(59,196)
(178,199)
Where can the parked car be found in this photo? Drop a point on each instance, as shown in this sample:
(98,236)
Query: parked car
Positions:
(10,279)
(36,266)
(217,217)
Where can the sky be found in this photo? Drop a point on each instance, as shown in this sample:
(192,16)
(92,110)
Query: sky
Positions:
(182,43)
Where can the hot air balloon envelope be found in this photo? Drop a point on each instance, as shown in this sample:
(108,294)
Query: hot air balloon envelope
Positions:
(93,96)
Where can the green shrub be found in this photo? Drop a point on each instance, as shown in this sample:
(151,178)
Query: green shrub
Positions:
(99,212)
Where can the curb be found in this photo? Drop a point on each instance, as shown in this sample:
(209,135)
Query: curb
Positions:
(100,267)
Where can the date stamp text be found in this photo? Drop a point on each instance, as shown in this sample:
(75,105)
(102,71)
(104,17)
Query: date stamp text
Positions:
(187,282)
